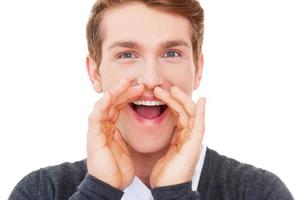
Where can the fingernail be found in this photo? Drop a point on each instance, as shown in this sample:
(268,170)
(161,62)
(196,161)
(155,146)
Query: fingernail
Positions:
(159,89)
(138,86)
(124,80)
(175,89)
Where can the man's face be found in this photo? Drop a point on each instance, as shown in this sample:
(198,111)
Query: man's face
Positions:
(153,61)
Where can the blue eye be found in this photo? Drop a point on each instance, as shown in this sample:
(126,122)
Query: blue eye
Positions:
(130,55)
(126,55)
(172,54)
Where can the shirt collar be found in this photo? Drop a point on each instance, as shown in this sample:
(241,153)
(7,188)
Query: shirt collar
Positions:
(138,191)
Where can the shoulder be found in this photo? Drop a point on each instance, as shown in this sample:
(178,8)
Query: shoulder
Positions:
(227,177)
(74,171)
(51,182)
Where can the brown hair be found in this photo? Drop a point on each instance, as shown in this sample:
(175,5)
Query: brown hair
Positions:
(189,9)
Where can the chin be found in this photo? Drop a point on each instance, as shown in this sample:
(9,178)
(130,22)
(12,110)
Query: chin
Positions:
(149,147)
(147,140)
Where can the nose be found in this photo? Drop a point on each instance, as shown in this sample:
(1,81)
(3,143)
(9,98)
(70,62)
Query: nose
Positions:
(151,77)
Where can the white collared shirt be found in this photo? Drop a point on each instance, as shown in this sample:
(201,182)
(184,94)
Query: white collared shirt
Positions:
(138,191)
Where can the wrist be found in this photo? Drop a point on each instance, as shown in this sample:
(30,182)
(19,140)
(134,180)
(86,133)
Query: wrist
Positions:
(94,188)
(174,191)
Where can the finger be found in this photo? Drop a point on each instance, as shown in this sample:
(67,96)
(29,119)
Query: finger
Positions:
(119,139)
(199,120)
(99,109)
(173,104)
(131,94)
(184,99)
(108,128)
(175,137)
(121,155)
(101,112)
(127,96)
(103,104)
(121,87)
(179,138)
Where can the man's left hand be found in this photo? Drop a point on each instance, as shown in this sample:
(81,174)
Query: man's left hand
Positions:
(178,164)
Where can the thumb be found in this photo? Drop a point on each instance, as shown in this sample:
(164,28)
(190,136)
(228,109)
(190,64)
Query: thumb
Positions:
(121,142)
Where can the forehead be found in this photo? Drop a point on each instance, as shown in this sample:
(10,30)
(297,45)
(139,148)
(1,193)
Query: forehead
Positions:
(137,22)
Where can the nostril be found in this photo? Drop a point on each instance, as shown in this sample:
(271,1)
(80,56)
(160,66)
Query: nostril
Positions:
(151,81)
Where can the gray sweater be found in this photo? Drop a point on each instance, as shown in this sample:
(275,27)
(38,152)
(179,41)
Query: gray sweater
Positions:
(221,178)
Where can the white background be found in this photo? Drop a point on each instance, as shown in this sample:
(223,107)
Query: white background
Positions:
(251,80)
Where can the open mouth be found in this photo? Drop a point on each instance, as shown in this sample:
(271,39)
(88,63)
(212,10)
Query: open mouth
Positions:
(148,111)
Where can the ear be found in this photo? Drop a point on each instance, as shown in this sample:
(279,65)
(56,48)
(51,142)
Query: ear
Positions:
(198,72)
(94,75)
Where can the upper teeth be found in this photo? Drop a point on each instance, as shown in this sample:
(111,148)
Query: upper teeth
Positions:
(148,103)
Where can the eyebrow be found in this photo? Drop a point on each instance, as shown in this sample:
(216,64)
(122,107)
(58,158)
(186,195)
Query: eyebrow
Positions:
(135,45)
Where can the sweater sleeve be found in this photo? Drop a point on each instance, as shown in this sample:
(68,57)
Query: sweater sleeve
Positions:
(180,191)
(38,186)
(33,186)
(92,188)
(273,188)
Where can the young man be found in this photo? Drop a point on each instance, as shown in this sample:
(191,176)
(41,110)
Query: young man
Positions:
(145,133)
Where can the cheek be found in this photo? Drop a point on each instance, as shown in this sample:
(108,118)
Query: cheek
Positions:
(179,73)
(113,73)
(181,76)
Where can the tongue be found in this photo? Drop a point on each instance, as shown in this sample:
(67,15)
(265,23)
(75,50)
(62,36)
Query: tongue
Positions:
(148,112)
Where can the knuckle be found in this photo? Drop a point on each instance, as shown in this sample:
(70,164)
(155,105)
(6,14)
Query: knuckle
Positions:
(92,118)
(98,103)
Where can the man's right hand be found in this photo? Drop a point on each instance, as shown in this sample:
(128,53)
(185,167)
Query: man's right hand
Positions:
(108,158)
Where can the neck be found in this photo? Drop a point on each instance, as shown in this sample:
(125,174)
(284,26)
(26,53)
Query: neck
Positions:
(144,163)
